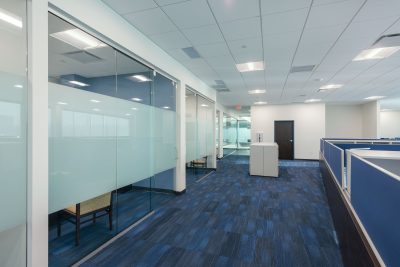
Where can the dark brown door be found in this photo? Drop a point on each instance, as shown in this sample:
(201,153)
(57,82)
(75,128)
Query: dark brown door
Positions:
(284,136)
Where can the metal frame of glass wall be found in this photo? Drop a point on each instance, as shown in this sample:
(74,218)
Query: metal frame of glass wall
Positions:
(112,141)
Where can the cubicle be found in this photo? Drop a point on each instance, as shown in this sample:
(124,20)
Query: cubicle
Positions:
(362,180)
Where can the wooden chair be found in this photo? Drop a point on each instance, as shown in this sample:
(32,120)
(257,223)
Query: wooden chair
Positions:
(103,204)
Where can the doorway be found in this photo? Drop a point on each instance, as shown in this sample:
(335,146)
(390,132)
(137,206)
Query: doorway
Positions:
(284,137)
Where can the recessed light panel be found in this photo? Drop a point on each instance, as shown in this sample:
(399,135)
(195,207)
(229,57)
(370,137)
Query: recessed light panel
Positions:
(374,97)
(10,18)
(137,99)
(257,91)
(250,66)
(376,53)
(260,103)
(79,39)
(79,83)
(330,86)
(140,78)
(312,100)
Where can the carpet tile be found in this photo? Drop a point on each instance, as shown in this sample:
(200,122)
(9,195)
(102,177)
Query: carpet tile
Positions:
(233,219)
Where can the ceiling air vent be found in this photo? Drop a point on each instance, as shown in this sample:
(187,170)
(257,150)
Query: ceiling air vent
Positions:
(302,68)
(83,57)
(222,90)
(191,52)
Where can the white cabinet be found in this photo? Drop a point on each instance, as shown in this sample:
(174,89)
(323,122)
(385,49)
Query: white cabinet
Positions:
(264,159)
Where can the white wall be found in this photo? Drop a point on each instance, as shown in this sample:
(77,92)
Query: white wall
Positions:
(389,124)
(344,121)
(370,120)
(309,125)
(352,121)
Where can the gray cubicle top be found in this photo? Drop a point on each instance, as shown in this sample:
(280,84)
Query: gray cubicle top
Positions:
(388,160)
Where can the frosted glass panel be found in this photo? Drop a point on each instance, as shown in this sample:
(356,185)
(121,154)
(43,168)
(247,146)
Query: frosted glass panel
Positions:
(191,126)
(205,126)
(13,121)
(82,162)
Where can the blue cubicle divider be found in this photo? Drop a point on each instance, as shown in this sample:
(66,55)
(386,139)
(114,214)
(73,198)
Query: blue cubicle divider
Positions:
(333,156)
(375,197)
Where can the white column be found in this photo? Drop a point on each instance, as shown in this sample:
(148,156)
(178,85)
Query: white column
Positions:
(180,175)
(212,161)
(37,202)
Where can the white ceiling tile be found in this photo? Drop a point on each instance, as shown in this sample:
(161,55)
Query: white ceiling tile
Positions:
(233,10)
(168,2)
(128,6)
(274,6)
(190,14)
(179,55)
(333,14)
(213,50)
(152,21)
(374,9)
(284,22)
(247,50)
(170,40)
(241,29)
(225,62)
(204,35)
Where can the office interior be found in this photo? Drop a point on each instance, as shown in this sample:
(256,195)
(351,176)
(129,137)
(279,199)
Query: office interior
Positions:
(199,133)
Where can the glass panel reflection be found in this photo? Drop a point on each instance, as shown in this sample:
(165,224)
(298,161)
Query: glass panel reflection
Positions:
(13,121)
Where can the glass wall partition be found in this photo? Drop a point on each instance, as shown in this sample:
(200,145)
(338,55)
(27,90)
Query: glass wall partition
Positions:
(112,145)
(200,124)
(230,128)
(244,133)
(13,120)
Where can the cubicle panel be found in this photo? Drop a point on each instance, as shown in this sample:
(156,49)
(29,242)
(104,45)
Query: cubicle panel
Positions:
(386,147)
(335,160)
(375,197)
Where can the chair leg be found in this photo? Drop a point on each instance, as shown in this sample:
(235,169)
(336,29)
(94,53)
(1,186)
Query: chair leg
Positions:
(78,224)
(58,223)
(110,218)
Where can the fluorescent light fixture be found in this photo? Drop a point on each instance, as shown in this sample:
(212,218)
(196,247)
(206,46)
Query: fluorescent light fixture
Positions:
(134,108)
(260,103)
(250,66)
(127,114)
(374,97)
(312,100)
(79,39)
(10,18)
(141,78)
(62,103)
(96,109)
(166,107)
(204,105)
(376,53)
(330,86)
(18,86)
(137,99)
(257,91)
(79,83)
(95,101)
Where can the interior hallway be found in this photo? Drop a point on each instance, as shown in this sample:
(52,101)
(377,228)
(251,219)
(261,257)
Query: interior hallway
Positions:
(232,219)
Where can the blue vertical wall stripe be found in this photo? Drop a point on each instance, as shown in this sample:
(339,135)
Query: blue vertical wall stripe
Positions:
(375,197)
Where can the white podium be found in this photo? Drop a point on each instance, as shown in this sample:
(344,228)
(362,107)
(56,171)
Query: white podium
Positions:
(264,159)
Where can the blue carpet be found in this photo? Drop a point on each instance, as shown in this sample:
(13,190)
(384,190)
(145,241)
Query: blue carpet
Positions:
(233,219)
